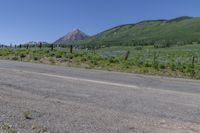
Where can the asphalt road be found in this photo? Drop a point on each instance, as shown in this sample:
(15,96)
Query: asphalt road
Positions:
(61,100)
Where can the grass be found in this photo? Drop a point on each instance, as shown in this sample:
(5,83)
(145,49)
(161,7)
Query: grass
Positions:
(39,129)
(173,61)
(176,61)
(26,115)
(7,128)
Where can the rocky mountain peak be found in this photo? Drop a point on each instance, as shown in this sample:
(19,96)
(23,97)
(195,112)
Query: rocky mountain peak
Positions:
(75,35)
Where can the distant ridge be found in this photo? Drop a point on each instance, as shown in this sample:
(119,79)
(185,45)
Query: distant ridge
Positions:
(180,19)
(75,35)
(170,20)
(35,43)
(179,30)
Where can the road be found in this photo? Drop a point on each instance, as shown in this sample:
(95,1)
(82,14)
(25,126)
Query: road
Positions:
(62,100)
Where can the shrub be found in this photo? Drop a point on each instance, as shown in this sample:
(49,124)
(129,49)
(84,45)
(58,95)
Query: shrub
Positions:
(173,67)
(180,43)
(76,55)
(162,66)
(70,56)
(35,58)
(58,56)
(161,44)
(94,62)
(83,59)
(26,115)
(7,128)
(51,54)
(22,55)
(138,48)
(140,62)
(113,60)
(147,64)
(14,58)
(52,60)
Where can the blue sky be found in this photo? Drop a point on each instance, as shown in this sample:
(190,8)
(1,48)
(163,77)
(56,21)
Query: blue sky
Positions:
(46,20)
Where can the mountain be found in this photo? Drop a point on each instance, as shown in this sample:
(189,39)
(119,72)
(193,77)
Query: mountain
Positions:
(182,29)
(33,43)
(70,37)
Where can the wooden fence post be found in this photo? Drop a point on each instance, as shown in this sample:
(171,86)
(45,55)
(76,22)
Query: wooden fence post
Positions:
(155,61)
(27,46)
(40,45)
(193,66)
(71,49)
(126,55)
(51,47)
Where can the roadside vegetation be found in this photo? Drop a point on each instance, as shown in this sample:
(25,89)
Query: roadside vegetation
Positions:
(26,115)
(174,61)
(7,128)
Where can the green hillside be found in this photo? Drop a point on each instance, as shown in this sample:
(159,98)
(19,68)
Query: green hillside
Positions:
(180,30)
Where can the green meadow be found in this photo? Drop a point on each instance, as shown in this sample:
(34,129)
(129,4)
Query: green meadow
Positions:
(174,61)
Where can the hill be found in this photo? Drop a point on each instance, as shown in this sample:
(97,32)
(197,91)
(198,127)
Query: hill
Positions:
(175,31)
(70,37)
